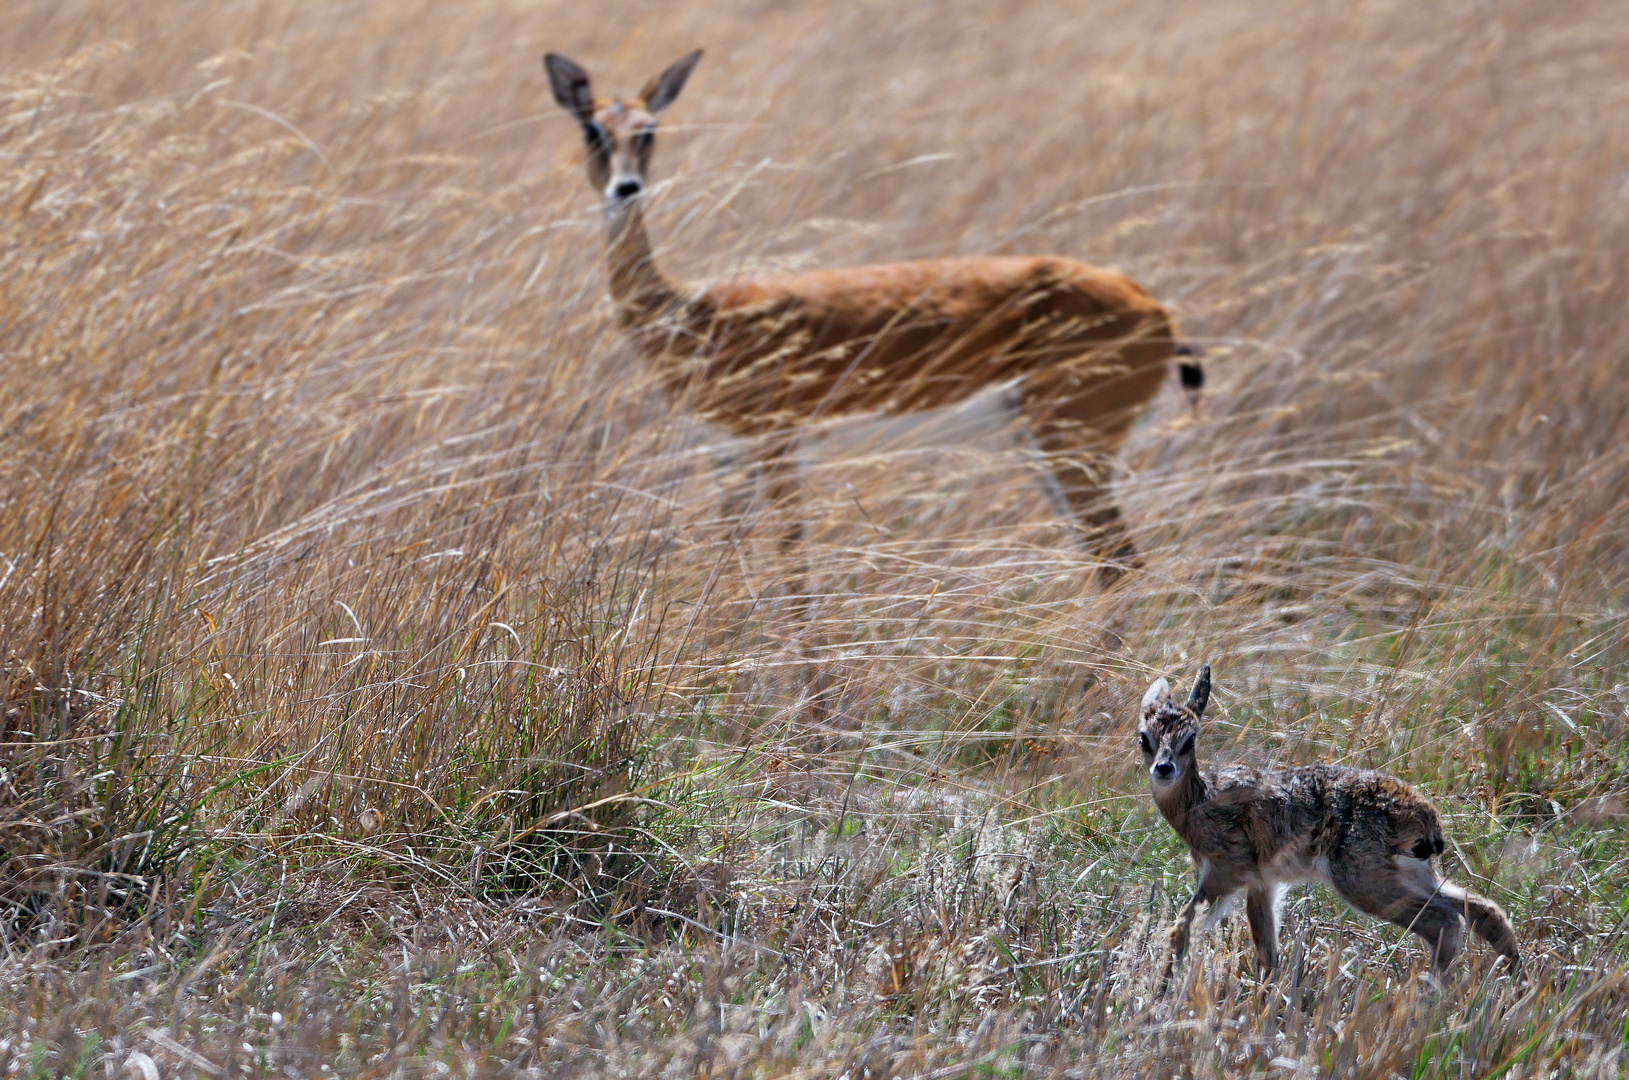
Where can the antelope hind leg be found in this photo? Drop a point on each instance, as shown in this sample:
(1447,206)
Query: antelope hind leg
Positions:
(1261,905)
(1076,442)
(1405,892)
(1484,916)
(1077,491)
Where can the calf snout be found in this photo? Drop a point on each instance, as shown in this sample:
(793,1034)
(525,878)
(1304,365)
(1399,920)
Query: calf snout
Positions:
(621,189)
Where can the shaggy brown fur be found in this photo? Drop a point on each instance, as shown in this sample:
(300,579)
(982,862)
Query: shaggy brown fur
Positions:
(1368,836)
(1086,349)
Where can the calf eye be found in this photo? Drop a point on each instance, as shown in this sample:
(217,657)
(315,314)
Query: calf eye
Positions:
(1148,744)
(594,135)
(1422,849)
(1187,745)
(642,141)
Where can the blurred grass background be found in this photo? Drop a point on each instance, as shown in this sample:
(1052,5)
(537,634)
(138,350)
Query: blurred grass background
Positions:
(389,686)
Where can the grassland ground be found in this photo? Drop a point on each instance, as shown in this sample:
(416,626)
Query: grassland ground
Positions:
(393,682)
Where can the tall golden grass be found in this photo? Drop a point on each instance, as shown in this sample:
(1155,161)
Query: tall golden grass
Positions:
(393,679)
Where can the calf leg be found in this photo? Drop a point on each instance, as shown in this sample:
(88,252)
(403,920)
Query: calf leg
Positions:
(1404,891)
(1178,940)
(1261,905)
(1484,916)
(1440,926)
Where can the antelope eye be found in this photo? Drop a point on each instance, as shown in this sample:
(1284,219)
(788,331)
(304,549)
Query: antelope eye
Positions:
(594,135)
(1148,744)
(643,140)
(1187,745)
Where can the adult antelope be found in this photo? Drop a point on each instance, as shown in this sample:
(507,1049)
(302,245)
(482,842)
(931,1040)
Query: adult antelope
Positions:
(1085,349)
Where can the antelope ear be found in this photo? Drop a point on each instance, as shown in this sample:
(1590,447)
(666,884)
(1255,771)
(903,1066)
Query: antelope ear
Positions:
(570,85)
(1159,692)
(1199,697)
(659,93)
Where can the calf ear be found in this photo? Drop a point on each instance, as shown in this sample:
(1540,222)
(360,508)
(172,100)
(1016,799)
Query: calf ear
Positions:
(570,85)
(1199,697)
(659,93)
(1159,692)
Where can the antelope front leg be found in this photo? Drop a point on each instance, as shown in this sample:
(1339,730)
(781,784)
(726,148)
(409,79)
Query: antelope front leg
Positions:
(736,496)
(1179,936)
(783,487)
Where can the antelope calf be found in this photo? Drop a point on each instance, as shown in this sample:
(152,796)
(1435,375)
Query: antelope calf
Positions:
(1368,836)
(1085,349)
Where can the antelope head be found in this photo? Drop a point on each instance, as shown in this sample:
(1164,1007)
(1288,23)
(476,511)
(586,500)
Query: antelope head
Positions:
(1167,730)
(619,133)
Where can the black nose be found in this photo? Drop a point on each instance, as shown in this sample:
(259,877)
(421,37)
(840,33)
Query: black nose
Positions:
(1165,769)
(626,189)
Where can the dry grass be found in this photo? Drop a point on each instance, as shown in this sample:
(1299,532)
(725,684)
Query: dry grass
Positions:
(386,692)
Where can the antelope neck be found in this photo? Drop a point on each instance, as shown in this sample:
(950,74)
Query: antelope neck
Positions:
(1181,797)
(637,285)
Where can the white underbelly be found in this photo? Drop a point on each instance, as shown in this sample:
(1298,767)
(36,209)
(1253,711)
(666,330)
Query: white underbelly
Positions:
(1294,867)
